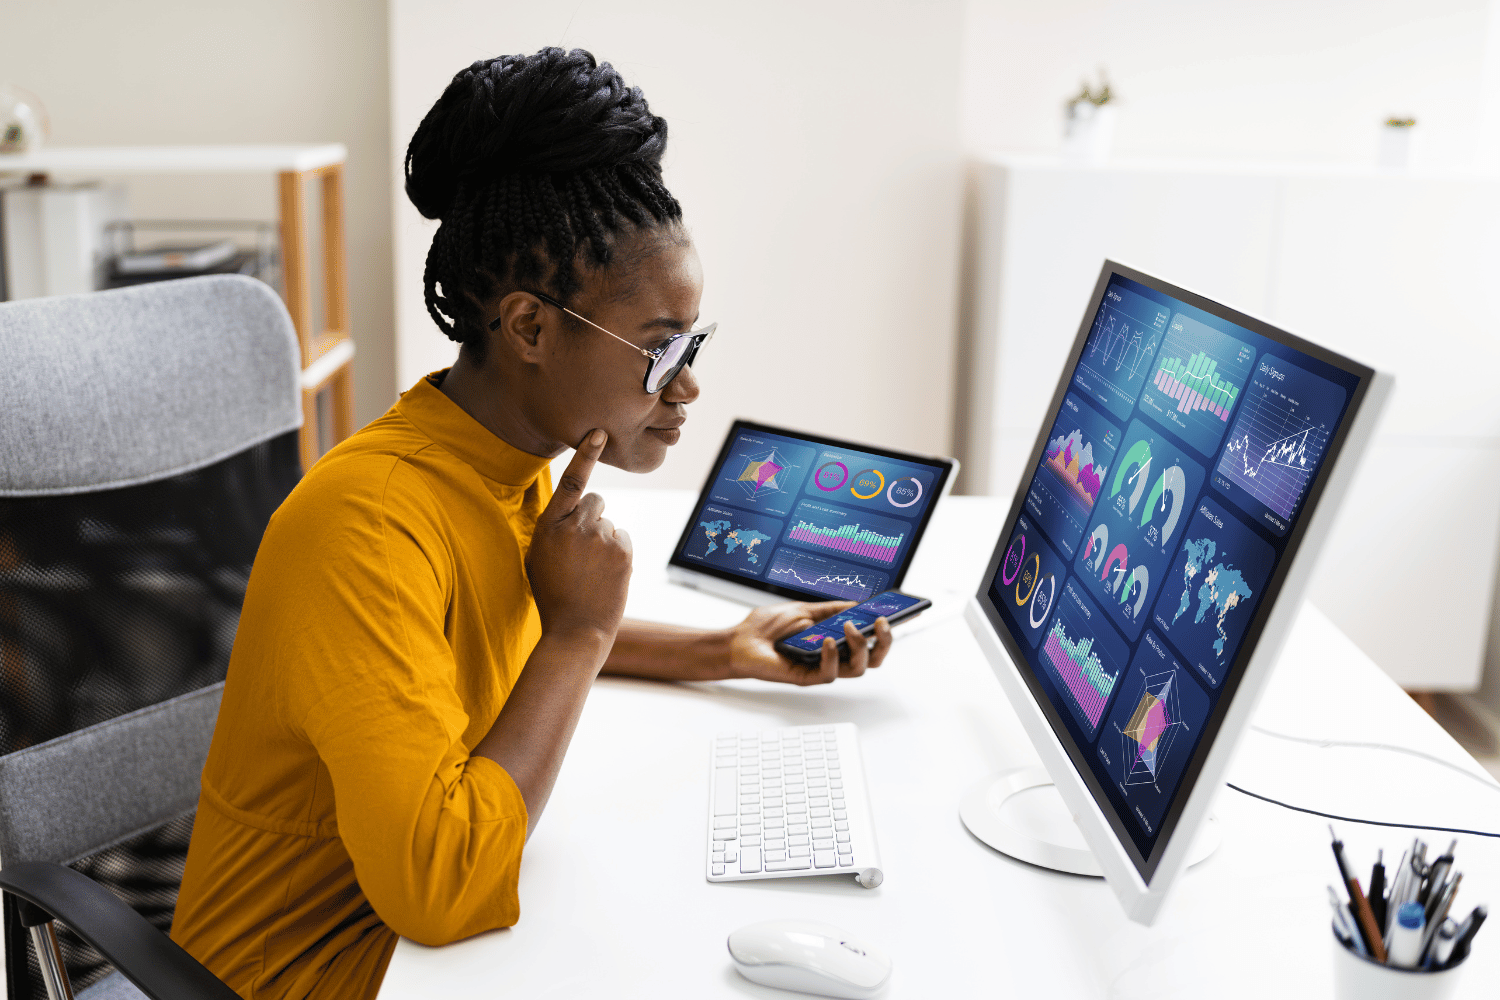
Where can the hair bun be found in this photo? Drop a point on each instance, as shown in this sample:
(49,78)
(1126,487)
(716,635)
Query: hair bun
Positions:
(549,113)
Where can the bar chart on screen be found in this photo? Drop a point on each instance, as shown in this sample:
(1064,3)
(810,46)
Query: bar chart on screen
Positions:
(856,533)
(1085,657)
(1197,381)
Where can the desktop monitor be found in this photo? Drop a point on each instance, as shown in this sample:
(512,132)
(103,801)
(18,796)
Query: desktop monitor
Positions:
(1155,554)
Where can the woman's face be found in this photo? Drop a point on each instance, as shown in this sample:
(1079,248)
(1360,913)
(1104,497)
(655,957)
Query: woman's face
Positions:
(588,379)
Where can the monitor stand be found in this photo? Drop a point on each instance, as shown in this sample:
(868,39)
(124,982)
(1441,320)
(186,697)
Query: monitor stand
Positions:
(1038,828)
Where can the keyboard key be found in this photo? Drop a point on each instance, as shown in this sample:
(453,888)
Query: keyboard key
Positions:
(818,813)
(840,825)
(750,841)
(750,861)
(846,848)
(775,844)
(824,859)
(718,845)
(730,857)
(718,869)
(796,829)
(774,823)
(789,865)
(730,834)
(846,860)
(719,858)
(799,852)
(836,783)
(796,808)
(775,856)
(843,838)
(725,798)
(822,823)
(730,821)
(822,845)
(802,841)
(773,812)
(840,814)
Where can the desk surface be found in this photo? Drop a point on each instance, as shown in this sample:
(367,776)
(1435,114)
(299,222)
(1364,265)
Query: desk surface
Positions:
(614,903)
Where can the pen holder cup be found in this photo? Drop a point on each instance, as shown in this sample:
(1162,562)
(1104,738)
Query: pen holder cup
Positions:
(1357,977)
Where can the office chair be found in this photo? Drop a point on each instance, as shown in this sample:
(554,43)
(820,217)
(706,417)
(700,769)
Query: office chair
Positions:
(146,436)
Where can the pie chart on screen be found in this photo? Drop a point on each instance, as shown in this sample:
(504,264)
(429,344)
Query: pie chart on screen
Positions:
(904,492)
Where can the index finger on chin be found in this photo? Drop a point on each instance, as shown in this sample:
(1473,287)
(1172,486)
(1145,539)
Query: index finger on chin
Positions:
(574,481)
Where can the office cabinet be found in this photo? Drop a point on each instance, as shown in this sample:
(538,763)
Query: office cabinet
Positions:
(1397,270)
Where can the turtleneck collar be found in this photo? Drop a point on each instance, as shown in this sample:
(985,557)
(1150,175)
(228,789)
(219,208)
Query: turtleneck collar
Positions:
(446,423)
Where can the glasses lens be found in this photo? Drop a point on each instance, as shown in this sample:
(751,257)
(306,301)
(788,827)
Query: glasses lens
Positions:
(669,364)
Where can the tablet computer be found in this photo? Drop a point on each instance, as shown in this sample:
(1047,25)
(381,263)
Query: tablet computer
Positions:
(788,515)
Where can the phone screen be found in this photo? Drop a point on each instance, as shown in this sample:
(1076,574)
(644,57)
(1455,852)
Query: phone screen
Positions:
(886,605)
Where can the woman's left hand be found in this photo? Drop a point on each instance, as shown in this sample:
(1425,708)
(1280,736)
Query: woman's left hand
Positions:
(752,645)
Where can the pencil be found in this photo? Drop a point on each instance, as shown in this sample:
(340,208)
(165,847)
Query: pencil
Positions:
(1361,907)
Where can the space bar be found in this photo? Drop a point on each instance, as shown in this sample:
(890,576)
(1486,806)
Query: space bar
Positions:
(789,865)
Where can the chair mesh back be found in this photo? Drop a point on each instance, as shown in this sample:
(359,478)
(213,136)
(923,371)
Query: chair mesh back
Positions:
(118,599)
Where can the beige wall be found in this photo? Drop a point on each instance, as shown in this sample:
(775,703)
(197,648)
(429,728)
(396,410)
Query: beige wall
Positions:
(177,71)
(814,147)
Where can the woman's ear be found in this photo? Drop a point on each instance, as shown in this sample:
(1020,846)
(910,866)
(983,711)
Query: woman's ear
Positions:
(521,327)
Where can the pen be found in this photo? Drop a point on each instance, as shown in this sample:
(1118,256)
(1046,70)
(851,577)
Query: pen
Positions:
(1377,890)
(1466,932)
(1398,885)
(1442,945)
(1438,912)
(1436,875)
(1343,924)
(1364,920)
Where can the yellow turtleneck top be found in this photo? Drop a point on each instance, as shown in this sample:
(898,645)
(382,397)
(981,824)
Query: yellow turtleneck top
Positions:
(386,620)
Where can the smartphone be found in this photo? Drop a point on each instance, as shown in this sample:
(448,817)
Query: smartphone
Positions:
(806,647)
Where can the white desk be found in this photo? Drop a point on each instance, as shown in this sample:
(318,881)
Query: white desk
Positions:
(614,903)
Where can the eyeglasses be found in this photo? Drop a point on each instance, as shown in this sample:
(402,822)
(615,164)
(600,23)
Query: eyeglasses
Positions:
(662,364)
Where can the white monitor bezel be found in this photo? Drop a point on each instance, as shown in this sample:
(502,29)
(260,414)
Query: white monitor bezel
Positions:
(1273,619)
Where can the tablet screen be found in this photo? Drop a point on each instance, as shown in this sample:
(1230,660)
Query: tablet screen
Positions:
(1157,521)
(810,517)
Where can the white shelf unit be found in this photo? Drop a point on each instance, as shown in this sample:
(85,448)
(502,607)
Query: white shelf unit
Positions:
(327,354)
(1395,269)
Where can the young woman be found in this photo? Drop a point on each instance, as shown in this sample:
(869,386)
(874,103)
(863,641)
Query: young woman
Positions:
(426,614)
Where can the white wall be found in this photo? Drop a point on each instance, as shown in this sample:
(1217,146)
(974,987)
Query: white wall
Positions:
(181,71)
(815,150)
(1273,79)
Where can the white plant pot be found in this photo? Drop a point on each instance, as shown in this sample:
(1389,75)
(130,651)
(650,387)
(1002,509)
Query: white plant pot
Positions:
(1089,133)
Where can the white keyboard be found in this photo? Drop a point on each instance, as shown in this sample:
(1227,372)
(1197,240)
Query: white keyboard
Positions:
(788,802)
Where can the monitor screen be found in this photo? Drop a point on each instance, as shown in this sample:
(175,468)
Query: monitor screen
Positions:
(810,517)
(1152,531)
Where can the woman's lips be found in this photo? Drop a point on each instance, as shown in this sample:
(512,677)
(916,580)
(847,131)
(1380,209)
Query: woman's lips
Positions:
(670,435)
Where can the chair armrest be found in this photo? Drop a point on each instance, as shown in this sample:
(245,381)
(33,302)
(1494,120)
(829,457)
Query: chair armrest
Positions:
(155,963)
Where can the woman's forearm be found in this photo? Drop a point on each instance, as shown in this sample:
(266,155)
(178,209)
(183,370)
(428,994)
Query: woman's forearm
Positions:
(534,728)
(668,652)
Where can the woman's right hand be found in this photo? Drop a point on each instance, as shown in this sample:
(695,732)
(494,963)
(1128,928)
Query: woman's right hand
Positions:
(579,562)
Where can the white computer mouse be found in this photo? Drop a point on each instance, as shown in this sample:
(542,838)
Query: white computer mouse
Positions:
(809,956)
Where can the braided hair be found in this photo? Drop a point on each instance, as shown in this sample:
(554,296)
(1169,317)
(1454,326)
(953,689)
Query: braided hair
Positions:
(536,166)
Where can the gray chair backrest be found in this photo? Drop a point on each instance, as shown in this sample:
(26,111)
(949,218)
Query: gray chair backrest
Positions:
(137,384)
(78,794)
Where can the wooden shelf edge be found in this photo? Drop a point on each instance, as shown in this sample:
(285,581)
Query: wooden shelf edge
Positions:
(329,363)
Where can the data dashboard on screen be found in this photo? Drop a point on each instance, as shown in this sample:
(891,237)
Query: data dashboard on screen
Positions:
(805,516)
(1149,532)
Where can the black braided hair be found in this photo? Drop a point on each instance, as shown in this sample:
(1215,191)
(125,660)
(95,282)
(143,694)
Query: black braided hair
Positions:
(535,166)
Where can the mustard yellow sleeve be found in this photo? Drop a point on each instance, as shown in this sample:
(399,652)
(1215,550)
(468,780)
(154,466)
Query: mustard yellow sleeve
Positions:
(435,835)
